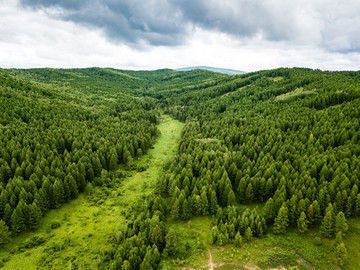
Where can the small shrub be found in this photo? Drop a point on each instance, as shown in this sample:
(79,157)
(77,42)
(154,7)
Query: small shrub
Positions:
(55,224)
(317,241)
(33,241)
(6,259)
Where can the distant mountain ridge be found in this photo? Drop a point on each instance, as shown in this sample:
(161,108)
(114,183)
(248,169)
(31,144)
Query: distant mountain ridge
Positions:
(214,69)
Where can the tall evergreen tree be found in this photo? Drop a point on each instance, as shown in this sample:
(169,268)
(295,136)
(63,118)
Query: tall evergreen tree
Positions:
(171,244)
(328,224)
(302,223)
(4,232)
(18,219)
(282,220)
(340,223)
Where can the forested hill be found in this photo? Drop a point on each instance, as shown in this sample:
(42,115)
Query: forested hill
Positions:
(287,140)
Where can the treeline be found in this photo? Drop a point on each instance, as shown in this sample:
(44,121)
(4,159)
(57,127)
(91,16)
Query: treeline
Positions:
(52,146)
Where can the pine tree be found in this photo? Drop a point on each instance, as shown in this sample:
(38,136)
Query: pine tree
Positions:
(249,194)
(340,223)
(127,158)
(7,214)
(248,234)
(238,240)
(185,215)
(175,210)
(242,189)
(328,224)
(213,203)
(113,160)
(58,193)
(126,265)
(231,198)
(302,223)
(204,203)
(214,234)
(33,216)
(341,254)
(170,240)
(338,240)
(282,220)
(4,232)
(157,236)
(145,265)
(18,221)
(269,210)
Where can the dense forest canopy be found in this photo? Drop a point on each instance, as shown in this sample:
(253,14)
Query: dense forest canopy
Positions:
(286,139)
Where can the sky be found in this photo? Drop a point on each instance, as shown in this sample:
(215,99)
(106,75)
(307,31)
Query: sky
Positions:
(246,35)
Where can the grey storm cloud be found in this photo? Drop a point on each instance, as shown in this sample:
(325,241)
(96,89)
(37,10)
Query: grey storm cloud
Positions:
(332,24)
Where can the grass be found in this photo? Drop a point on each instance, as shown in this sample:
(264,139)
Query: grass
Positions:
(87,226)
(297,92)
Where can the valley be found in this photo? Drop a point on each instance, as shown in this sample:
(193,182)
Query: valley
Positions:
(120,169)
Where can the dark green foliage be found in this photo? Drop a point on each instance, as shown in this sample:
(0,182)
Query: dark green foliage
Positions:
(232,224)
(4,233)
(328,224)
(55,140)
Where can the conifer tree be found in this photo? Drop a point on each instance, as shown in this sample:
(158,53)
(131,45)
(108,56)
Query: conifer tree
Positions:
(213,203)
(18,221)
(242,189)
(145,265)
(157,237)
(338,240)
(341,254)
(238,240)
(249,194)
(170,240)
(4,232)
(185,215)
(340,223)
(175,210)
(282,220)
(248,234)
(269,210)
(204,203)
(328,224)
(231,198)
(113,160)
(302,223)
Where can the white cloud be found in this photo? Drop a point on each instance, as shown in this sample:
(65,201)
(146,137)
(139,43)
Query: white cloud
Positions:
(35,38)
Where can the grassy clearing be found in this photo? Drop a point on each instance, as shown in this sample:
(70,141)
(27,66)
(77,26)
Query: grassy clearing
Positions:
(297,92)
(87,226)
(277,79)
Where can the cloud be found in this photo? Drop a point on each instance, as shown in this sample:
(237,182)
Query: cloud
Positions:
(245,34)
(156,22)
(332,24)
